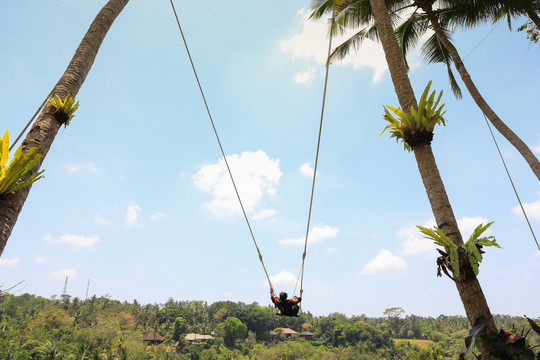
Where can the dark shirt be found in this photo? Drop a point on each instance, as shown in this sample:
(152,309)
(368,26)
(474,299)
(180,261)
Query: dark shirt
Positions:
(288,307)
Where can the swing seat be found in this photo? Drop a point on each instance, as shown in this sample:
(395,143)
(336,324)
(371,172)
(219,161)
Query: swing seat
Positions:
(292,312)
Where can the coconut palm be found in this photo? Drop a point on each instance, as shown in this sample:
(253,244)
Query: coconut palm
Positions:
(469,288)
(469,13)
(439,48)
(46,126)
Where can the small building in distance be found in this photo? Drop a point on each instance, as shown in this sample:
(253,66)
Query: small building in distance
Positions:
(196,338)
(306,335)
(153,338)
(282,334)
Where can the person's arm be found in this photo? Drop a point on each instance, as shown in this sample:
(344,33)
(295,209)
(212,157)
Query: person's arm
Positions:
(295,300)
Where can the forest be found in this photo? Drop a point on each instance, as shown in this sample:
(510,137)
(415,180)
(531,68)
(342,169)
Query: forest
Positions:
(62,327)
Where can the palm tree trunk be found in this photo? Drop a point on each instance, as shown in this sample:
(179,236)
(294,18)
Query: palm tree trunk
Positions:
(523,149)
(534,17)
(46,126)
(469,289)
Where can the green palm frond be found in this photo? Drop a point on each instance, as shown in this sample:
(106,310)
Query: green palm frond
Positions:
(408,33)
(433,51)
(417,127)
(18,167)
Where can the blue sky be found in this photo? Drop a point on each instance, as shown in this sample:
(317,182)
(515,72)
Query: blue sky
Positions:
(135,197)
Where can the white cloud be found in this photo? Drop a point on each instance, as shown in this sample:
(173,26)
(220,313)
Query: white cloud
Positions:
(89,167)
(10,262)
(316,234)
(305,77)
(101,220)
(78,241)
(227,294)
(62,274)
(42,259)
(331,250)
(157,216)
(532,209)
(385,261)
(307,170)
(255,175)
(414,242)
(282,279)
(264,214)
(537,149)
(468,224)
(312,43)
(132,214)
(537,253)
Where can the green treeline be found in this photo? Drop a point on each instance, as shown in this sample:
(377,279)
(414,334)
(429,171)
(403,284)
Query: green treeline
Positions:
(33,327)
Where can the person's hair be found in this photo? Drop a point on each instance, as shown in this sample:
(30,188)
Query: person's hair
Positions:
(283,295)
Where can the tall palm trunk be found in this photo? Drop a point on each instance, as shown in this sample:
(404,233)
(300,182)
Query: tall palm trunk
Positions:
(534,17)
(46,126)
(469,289)
(523,149)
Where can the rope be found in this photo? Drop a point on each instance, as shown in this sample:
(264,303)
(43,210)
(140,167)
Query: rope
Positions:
(317,154)
(30,122)
(512,182)
(221,148)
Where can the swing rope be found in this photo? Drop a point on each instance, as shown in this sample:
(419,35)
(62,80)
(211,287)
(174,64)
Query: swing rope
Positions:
(512,182)
(221,148)
(333,21)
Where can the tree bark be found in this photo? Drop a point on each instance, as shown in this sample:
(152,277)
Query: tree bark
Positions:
(46,126)
(469,289)
(534,17)
(398,70)
(505,131)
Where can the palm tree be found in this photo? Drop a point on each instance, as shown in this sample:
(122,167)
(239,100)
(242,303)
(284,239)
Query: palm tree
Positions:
(469,288)
(46,126)
(352,13)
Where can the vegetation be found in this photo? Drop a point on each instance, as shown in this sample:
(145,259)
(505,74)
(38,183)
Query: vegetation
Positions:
(33,327)
(17,168)
(533,33)
(64,109)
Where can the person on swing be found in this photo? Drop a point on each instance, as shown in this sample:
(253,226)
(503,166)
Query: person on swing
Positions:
(286,307)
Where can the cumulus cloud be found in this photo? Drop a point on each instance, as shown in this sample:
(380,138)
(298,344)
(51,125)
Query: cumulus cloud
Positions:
(385,261)
(311,44)
(532,210)
(307,170)
(62,274)
(537,149)
(255,175)
(132,214)
(317,233)
(282,279)
(305,77)
(89,168)
(78,241)
(157,216)
(10,262)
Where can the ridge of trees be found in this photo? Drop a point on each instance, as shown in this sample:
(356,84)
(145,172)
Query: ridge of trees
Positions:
(34,327)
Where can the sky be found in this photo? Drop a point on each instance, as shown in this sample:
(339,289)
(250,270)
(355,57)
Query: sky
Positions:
(136,203)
